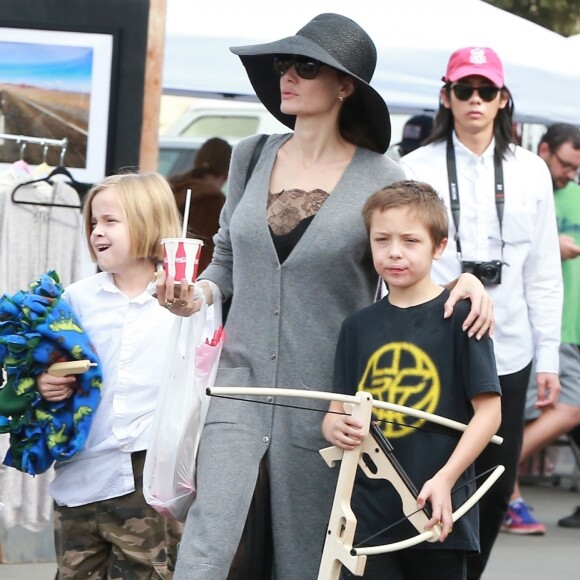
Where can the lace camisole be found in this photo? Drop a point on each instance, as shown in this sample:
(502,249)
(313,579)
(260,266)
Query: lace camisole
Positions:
(289,214)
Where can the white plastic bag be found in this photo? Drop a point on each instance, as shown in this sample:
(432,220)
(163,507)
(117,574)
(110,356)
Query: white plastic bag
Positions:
(190,368)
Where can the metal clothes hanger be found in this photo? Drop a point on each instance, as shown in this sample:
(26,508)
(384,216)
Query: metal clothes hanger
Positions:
(59,170)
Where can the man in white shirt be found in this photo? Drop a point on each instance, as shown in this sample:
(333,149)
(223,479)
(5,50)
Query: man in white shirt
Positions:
(503,229)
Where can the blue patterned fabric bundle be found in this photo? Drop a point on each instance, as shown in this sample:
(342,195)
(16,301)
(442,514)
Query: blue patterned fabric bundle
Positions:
(38,328)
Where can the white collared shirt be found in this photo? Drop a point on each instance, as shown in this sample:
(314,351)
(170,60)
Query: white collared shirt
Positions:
(130,336)
(528,302)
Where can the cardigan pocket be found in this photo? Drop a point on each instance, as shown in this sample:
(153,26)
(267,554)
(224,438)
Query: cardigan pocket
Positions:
(228,410)
(306,425)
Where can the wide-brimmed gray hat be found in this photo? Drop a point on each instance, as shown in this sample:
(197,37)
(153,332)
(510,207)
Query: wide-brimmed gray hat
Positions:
(336,41)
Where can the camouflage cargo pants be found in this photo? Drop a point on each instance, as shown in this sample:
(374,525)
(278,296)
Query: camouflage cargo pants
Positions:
(120,538)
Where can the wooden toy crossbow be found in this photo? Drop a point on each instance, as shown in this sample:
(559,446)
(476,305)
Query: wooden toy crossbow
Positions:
(376,459)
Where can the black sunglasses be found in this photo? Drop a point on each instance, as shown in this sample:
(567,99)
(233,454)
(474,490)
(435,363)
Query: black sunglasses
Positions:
(306,68)
(463,92)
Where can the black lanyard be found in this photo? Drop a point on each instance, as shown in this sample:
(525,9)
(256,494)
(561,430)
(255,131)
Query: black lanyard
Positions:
(454,192)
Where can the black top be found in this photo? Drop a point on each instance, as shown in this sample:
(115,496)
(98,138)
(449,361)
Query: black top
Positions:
(414,357)
(285,243)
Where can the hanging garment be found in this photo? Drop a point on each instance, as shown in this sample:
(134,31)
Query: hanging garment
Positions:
(37,238)
(34,239)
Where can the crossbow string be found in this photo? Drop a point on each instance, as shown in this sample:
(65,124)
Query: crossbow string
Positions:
(376,459)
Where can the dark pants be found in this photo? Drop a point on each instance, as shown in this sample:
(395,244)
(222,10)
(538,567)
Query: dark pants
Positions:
(253,559)
(414,565)
(494,503)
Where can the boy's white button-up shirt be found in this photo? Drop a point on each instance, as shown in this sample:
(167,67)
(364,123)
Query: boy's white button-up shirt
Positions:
(130,336)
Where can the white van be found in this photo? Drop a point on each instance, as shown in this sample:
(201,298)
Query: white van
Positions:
(221,118)
(206,118)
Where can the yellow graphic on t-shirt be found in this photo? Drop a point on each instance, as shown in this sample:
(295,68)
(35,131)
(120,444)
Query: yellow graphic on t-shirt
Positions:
(403,374)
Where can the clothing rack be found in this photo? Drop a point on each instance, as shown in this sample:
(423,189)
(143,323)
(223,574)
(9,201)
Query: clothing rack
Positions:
(24,140)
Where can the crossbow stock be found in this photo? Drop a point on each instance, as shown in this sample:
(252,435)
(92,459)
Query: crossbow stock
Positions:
(377,462)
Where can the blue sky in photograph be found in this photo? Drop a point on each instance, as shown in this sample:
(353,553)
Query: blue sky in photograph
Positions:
(49,66)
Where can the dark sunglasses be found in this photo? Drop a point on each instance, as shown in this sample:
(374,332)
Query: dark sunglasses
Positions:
(463,92)
(306,68)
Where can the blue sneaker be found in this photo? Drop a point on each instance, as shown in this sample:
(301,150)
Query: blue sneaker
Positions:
(519,520)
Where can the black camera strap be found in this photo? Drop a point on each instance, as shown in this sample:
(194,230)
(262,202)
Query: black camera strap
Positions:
(454,192)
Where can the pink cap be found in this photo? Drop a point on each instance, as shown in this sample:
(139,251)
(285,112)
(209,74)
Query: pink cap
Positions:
(475,60)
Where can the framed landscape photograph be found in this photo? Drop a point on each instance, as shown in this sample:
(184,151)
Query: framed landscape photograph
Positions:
(56,85)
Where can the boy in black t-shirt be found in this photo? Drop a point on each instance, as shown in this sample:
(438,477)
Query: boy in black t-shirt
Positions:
(403,351)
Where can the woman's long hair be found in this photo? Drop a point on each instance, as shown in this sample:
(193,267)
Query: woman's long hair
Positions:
(213,158)
(502,124)
(353,124)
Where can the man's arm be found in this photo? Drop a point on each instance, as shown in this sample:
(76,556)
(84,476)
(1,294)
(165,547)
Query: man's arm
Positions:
(568,248)
(548,389)
(542,277)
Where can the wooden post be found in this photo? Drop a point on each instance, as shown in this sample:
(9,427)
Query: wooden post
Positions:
(149,152)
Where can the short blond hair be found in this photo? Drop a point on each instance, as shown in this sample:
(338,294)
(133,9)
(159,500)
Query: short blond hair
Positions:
(150,208)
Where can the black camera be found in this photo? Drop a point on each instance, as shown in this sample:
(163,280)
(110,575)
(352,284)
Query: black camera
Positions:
(488,272)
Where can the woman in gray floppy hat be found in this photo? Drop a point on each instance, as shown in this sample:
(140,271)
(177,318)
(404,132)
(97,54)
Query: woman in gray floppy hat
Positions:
(334,46)
(292,250)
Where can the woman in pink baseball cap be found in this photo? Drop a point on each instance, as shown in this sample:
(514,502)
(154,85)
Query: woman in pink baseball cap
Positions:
(475,70)
(502,228)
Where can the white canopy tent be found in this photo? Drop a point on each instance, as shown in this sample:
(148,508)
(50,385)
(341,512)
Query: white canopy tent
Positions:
(573,42)
(414,39)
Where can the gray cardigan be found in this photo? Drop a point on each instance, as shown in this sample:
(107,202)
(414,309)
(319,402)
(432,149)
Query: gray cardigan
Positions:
(281,332)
